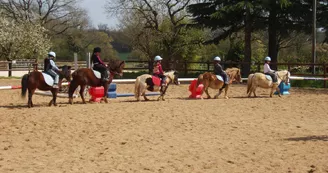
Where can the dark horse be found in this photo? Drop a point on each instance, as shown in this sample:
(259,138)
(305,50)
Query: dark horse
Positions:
(85,76)
(35,80)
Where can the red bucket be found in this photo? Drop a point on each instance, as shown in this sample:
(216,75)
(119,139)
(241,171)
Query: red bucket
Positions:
(96,93)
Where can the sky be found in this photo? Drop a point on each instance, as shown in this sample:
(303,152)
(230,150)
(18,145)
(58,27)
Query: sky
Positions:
(97,14)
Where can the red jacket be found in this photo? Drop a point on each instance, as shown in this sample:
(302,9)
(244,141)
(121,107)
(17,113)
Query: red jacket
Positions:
(158,69)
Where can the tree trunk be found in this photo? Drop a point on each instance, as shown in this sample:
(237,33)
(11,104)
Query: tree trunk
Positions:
(246,67)
(273,48)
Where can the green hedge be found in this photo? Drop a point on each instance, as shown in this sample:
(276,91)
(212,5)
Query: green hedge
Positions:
(307,83)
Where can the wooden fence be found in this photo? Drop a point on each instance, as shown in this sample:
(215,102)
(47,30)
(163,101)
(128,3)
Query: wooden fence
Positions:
(184,67)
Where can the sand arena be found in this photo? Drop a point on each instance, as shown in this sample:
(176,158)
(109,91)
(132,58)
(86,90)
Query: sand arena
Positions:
(288,134)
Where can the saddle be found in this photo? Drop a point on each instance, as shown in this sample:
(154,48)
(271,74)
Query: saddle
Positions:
(153,81)
(48,79)
(268,77)
(219,77)
(97,74)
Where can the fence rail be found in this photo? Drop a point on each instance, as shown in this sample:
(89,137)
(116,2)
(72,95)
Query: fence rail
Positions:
(184,67)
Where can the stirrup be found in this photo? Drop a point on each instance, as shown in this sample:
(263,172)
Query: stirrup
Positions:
(55,86)
(105,79)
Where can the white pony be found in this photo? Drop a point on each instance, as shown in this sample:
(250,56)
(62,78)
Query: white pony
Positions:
(144,82)
(259,80)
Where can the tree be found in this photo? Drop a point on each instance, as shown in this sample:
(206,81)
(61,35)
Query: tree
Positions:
(82,41)
(55,15)
(157,27)
(228,17)
(22,40)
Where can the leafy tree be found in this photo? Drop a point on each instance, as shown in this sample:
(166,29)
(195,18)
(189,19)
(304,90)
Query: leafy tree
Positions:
(22,40)
(56,15)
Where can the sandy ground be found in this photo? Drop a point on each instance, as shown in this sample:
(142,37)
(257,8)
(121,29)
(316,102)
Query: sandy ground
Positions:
(288,134)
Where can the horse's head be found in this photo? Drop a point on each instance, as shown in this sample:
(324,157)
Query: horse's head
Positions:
(66,72)
(116,67)
(234,74)
(284,76)
(173,76)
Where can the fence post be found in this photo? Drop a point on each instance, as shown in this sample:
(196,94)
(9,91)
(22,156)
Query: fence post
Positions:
(88,60)
(258,67)
(185,67)
(324,75)
(10,67)
(150,67)
(75,61)
(208,65)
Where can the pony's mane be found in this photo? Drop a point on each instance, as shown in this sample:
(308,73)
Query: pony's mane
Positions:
(169,72)
(228,70)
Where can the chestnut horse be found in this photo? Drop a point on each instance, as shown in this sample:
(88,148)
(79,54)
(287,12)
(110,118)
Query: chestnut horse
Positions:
(35,80)
(85,76)
(210,80)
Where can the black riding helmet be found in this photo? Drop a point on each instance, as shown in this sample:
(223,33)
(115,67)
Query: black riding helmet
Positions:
(96,49)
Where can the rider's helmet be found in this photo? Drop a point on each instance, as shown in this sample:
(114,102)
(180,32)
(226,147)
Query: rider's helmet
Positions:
(52,54)
(96,49)
(158,58)
(267,59)
(217,58)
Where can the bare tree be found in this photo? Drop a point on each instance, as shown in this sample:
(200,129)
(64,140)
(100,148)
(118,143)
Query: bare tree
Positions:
(56,15)
(154,21)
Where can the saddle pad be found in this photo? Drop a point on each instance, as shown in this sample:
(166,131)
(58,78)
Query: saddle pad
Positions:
(219,77)
(48,79)
(97,74)
(268,77)
(156,80)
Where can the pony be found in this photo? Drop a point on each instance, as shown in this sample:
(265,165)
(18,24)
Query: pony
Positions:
(86,77)
(35,80)
(209,80)
(259,80)
(145,82)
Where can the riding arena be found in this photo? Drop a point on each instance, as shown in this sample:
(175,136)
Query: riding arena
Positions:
(239,134)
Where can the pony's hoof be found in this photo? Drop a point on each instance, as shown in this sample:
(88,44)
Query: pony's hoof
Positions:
(216,97)
(226,97)
(55,104)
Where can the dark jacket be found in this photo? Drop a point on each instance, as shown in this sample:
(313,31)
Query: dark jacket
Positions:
(218,70)
(47,66)
(96,60)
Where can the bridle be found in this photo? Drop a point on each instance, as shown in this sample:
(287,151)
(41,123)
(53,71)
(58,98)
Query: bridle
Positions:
(281,78)
(114,70)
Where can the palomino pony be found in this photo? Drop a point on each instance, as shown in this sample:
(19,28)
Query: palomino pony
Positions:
(144,82)
(259,80)
(35,80)
(210,80)
(85,76)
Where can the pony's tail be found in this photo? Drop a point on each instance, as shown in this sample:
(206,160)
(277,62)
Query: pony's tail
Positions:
(137,88)
(199,81)
(24,85)
(249,82)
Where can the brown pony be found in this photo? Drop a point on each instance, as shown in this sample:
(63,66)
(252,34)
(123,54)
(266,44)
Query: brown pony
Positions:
(85,76)
(35,80)
(210,80)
